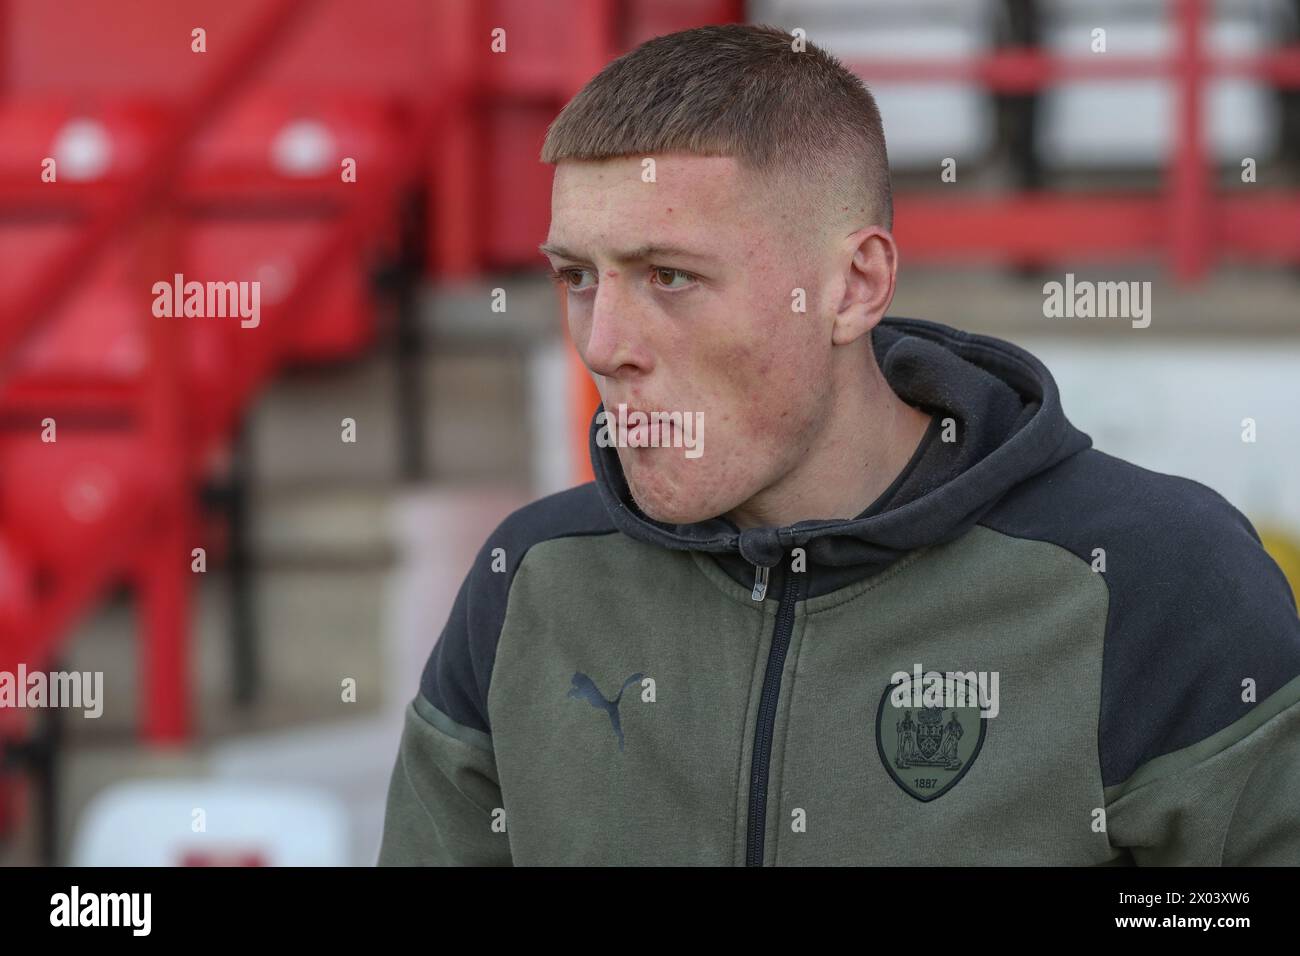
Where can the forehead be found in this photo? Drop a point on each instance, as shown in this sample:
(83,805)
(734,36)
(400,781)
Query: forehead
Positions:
(690,196)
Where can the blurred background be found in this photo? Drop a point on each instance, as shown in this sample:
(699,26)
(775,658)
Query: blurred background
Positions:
(255,533)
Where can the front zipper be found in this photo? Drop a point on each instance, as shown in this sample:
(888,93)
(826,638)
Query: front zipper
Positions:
(759,765)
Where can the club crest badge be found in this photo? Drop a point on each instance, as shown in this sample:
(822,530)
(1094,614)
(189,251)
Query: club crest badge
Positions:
(929,730)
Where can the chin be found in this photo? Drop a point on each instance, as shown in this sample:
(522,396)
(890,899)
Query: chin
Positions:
(672,503)
(674,514)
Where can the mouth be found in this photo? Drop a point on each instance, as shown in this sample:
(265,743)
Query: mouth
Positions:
(644,426)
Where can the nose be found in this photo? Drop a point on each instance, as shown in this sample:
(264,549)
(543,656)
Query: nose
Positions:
(615,340)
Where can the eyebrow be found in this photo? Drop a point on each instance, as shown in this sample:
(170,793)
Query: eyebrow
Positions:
(640,254)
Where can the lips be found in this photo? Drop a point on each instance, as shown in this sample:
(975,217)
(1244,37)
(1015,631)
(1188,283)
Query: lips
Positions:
(638,431)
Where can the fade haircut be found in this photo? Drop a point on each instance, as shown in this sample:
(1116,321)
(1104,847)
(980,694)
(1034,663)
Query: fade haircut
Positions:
(797,119)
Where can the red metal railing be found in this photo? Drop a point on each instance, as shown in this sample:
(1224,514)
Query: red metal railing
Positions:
(44,292)
(147,211)
(1189,223)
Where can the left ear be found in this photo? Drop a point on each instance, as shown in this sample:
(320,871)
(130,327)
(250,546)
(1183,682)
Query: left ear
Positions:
(869,284)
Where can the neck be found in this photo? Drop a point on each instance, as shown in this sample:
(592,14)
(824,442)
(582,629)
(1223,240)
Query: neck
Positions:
(868,438)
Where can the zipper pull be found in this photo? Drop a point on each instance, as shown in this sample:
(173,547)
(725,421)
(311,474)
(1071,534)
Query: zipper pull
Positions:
(760,582)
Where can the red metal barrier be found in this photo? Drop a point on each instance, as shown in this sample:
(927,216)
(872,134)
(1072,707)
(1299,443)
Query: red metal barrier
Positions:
(173,390)
(150,185)
(1189,225)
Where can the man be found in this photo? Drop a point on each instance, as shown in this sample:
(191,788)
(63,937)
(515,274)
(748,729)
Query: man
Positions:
(696,658)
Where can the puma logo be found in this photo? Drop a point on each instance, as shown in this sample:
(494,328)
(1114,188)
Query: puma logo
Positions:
(584,687)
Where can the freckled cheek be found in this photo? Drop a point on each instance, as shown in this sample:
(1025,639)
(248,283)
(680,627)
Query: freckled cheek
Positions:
(749,405)
(734,375)
(753,380)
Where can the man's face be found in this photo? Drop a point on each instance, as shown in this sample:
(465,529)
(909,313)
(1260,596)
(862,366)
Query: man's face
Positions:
(681,298)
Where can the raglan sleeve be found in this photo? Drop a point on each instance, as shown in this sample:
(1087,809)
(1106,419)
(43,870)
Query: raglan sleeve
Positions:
(1233,800)
(1219,784)
(444,804)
